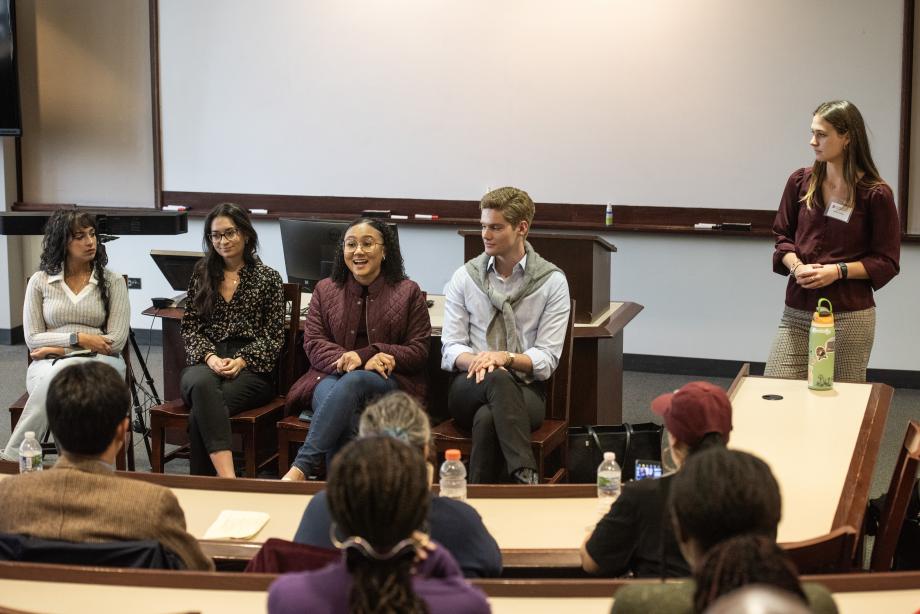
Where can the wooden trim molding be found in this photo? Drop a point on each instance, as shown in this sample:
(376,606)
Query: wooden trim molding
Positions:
(550,216)
(154,26)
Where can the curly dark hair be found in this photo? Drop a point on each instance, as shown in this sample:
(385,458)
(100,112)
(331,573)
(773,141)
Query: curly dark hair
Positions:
(210,269)
(58,233)
(391,268)
(735,487)
(742,560)
(378,490)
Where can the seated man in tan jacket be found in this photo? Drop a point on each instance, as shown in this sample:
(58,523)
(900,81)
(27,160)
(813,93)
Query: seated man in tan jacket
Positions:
(81,499)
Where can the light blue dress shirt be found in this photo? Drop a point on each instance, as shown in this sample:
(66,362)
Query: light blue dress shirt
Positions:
(540,318)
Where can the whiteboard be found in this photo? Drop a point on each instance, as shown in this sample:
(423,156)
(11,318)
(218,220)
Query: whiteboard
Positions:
(692,103)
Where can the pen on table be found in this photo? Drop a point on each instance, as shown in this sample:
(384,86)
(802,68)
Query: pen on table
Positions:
(425,216)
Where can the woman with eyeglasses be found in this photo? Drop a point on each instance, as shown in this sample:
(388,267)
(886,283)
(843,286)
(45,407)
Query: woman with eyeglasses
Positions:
(75,309)
(366,334)
(378,499)
(233,330)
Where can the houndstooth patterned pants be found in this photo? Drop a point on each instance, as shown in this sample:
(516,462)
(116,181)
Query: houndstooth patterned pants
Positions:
(855,334)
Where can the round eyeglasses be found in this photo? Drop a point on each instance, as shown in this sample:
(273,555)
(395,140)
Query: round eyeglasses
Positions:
(367,244)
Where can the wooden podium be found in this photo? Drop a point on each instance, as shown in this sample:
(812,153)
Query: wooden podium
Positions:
(597,360)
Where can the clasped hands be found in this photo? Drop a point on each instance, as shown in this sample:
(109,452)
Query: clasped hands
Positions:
(226,367)
(381,362)
(484,363)
(94,343)
(813,276)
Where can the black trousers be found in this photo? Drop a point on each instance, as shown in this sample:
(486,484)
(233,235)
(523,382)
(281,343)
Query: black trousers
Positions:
(500,412)
(213,399)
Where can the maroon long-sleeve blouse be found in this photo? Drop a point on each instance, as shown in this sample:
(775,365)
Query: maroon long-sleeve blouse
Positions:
(397,323)
(872,236)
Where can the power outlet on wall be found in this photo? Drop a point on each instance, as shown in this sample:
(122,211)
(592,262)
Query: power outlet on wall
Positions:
(134,283)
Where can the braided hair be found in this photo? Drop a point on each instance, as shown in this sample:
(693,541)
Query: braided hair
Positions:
(210,270)
(742,560)
(378,491)
(58,233)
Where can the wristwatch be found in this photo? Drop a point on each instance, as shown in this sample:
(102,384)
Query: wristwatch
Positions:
(510,360)
(74,339)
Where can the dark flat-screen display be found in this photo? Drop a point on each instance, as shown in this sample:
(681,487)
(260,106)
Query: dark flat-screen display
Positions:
(310,247)
(10,119)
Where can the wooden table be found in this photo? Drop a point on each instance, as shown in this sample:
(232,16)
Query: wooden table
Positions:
(66,589)
(821,446)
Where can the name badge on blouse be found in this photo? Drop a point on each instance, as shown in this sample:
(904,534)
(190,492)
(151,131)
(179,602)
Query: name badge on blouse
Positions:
(839,211)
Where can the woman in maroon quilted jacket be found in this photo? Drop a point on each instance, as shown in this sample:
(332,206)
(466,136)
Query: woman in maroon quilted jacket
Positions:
(366,334)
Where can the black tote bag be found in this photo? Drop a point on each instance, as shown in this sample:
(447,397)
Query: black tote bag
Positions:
(629,442)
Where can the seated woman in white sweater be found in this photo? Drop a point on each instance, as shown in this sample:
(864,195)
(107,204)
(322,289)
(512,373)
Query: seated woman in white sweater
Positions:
(75,309)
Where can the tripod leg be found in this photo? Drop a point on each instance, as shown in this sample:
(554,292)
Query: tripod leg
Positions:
(138,424)
(140,359)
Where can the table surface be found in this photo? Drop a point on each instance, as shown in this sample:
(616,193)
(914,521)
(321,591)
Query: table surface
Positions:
(66,589)
(810,440)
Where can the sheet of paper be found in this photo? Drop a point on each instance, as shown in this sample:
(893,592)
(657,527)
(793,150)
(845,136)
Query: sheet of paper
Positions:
(235,524)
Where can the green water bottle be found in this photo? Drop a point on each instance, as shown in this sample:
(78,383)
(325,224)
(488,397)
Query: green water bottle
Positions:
(821,347)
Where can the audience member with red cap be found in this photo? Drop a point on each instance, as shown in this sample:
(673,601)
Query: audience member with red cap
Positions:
(636,536)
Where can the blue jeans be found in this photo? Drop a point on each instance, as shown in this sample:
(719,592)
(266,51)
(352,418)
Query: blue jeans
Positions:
(338,401)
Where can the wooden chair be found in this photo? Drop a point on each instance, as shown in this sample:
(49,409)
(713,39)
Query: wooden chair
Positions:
(895,508)
(255,427)
(291,431)
(552,436)
(125,458)
(831,553)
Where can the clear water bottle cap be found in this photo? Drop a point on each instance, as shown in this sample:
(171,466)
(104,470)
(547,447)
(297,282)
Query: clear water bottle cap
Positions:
(452,455)
(609,456)
(30,434)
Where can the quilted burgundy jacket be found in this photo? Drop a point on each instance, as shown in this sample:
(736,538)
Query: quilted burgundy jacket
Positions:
(397,324)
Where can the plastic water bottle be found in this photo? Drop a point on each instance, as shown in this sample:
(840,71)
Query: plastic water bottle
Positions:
(453,476)
(30,454)
(821,347)
(608,480)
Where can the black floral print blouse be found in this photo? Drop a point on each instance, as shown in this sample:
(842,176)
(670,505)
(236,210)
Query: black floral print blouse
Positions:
(255,313)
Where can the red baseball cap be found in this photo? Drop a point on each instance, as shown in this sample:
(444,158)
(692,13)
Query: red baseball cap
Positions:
(694,410)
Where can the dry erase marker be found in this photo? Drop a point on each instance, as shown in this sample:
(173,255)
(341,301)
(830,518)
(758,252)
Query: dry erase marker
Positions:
(702,226)
(396,216)
(175,208)
(425,216)
(258,211)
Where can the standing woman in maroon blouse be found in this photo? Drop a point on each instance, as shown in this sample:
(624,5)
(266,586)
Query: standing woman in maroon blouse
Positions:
(837,237)
(233,330)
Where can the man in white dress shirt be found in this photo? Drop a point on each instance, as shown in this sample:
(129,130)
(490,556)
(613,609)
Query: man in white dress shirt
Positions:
(505,319)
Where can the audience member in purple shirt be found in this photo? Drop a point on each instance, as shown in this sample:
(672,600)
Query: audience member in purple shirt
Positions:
(378,497)
(437,580)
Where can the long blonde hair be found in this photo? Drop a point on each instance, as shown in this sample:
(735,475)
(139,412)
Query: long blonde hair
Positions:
(846,119)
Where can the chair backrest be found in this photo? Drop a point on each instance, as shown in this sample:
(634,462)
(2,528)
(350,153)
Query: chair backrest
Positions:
(147,554)
(281,556)
(902,483)
(289,350)
(559,386)
(831,553)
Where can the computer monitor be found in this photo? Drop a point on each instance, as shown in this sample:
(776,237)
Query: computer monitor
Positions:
(177,267)
(310,247)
